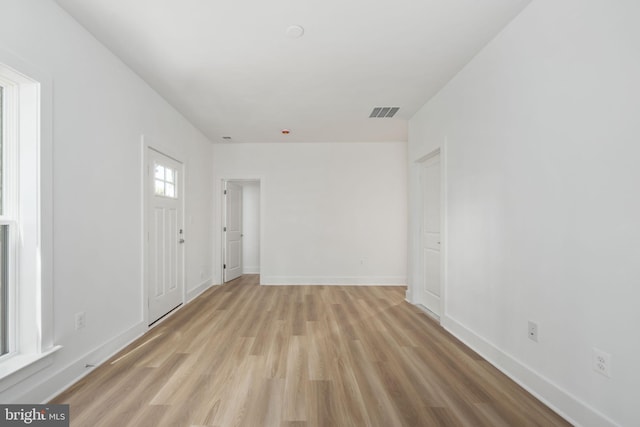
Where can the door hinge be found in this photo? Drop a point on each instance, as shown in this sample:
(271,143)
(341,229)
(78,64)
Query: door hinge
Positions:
(225,191)
(224,229)
(224,266)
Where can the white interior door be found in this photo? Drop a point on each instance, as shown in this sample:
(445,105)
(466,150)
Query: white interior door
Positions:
(429,294)
(165,237)
(233,231)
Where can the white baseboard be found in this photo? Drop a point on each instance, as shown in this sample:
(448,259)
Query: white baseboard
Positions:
(334,280)
(565,404)
(195,292)
(251,270)
(428,312)
(408,295)
(49,387)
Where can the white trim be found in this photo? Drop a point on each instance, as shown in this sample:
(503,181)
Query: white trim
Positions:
(51,386)
(562,402)
(428,156)
(55,384)
(35,345)
(444,224)
(199,289)
(144,309)
(428,312)
(335,280)
(20,367)
(223,224)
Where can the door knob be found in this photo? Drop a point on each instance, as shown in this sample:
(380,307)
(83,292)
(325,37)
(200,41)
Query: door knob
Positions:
(181,241)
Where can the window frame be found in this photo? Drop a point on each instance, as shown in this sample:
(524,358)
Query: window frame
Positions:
(9,116)
(29,112)
(164,181)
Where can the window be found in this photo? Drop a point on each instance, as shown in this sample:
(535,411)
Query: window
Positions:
(4,234)
(7,225)
(26,299)
(4,287)
(165,181)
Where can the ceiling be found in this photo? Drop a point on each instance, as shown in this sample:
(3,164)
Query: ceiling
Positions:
(229,67)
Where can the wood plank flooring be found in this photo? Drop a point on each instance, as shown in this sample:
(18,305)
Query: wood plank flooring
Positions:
(248,355)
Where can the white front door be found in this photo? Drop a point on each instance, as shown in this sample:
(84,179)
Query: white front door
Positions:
(165,236)
(233,231)
(429,292)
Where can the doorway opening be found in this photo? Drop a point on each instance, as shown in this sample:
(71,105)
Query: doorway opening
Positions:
(241,228)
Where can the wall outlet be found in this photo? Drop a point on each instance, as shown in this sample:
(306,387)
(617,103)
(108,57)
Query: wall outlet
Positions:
(80,320)
(602,362)
(533,331)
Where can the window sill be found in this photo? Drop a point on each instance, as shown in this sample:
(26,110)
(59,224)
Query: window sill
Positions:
(21,366)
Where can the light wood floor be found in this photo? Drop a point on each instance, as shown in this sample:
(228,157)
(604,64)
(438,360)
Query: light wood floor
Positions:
(243,354)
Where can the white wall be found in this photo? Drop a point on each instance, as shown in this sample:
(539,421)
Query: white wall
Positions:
(541,133)
(251,227)
(331,212)
(100,110)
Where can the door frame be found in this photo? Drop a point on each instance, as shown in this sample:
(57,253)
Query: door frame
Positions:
(418,220)
(220,219)
(147,144)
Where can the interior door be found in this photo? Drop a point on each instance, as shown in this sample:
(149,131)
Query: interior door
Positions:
(165,237)
(430,235)
(233,231)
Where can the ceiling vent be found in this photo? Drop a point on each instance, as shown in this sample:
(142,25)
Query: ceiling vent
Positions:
(383,112)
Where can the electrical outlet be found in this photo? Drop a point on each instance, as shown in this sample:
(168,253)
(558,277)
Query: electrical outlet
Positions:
(533,331)
(602,362)
(80,320)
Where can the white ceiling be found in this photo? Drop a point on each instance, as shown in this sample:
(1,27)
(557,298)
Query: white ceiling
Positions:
(228,66)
